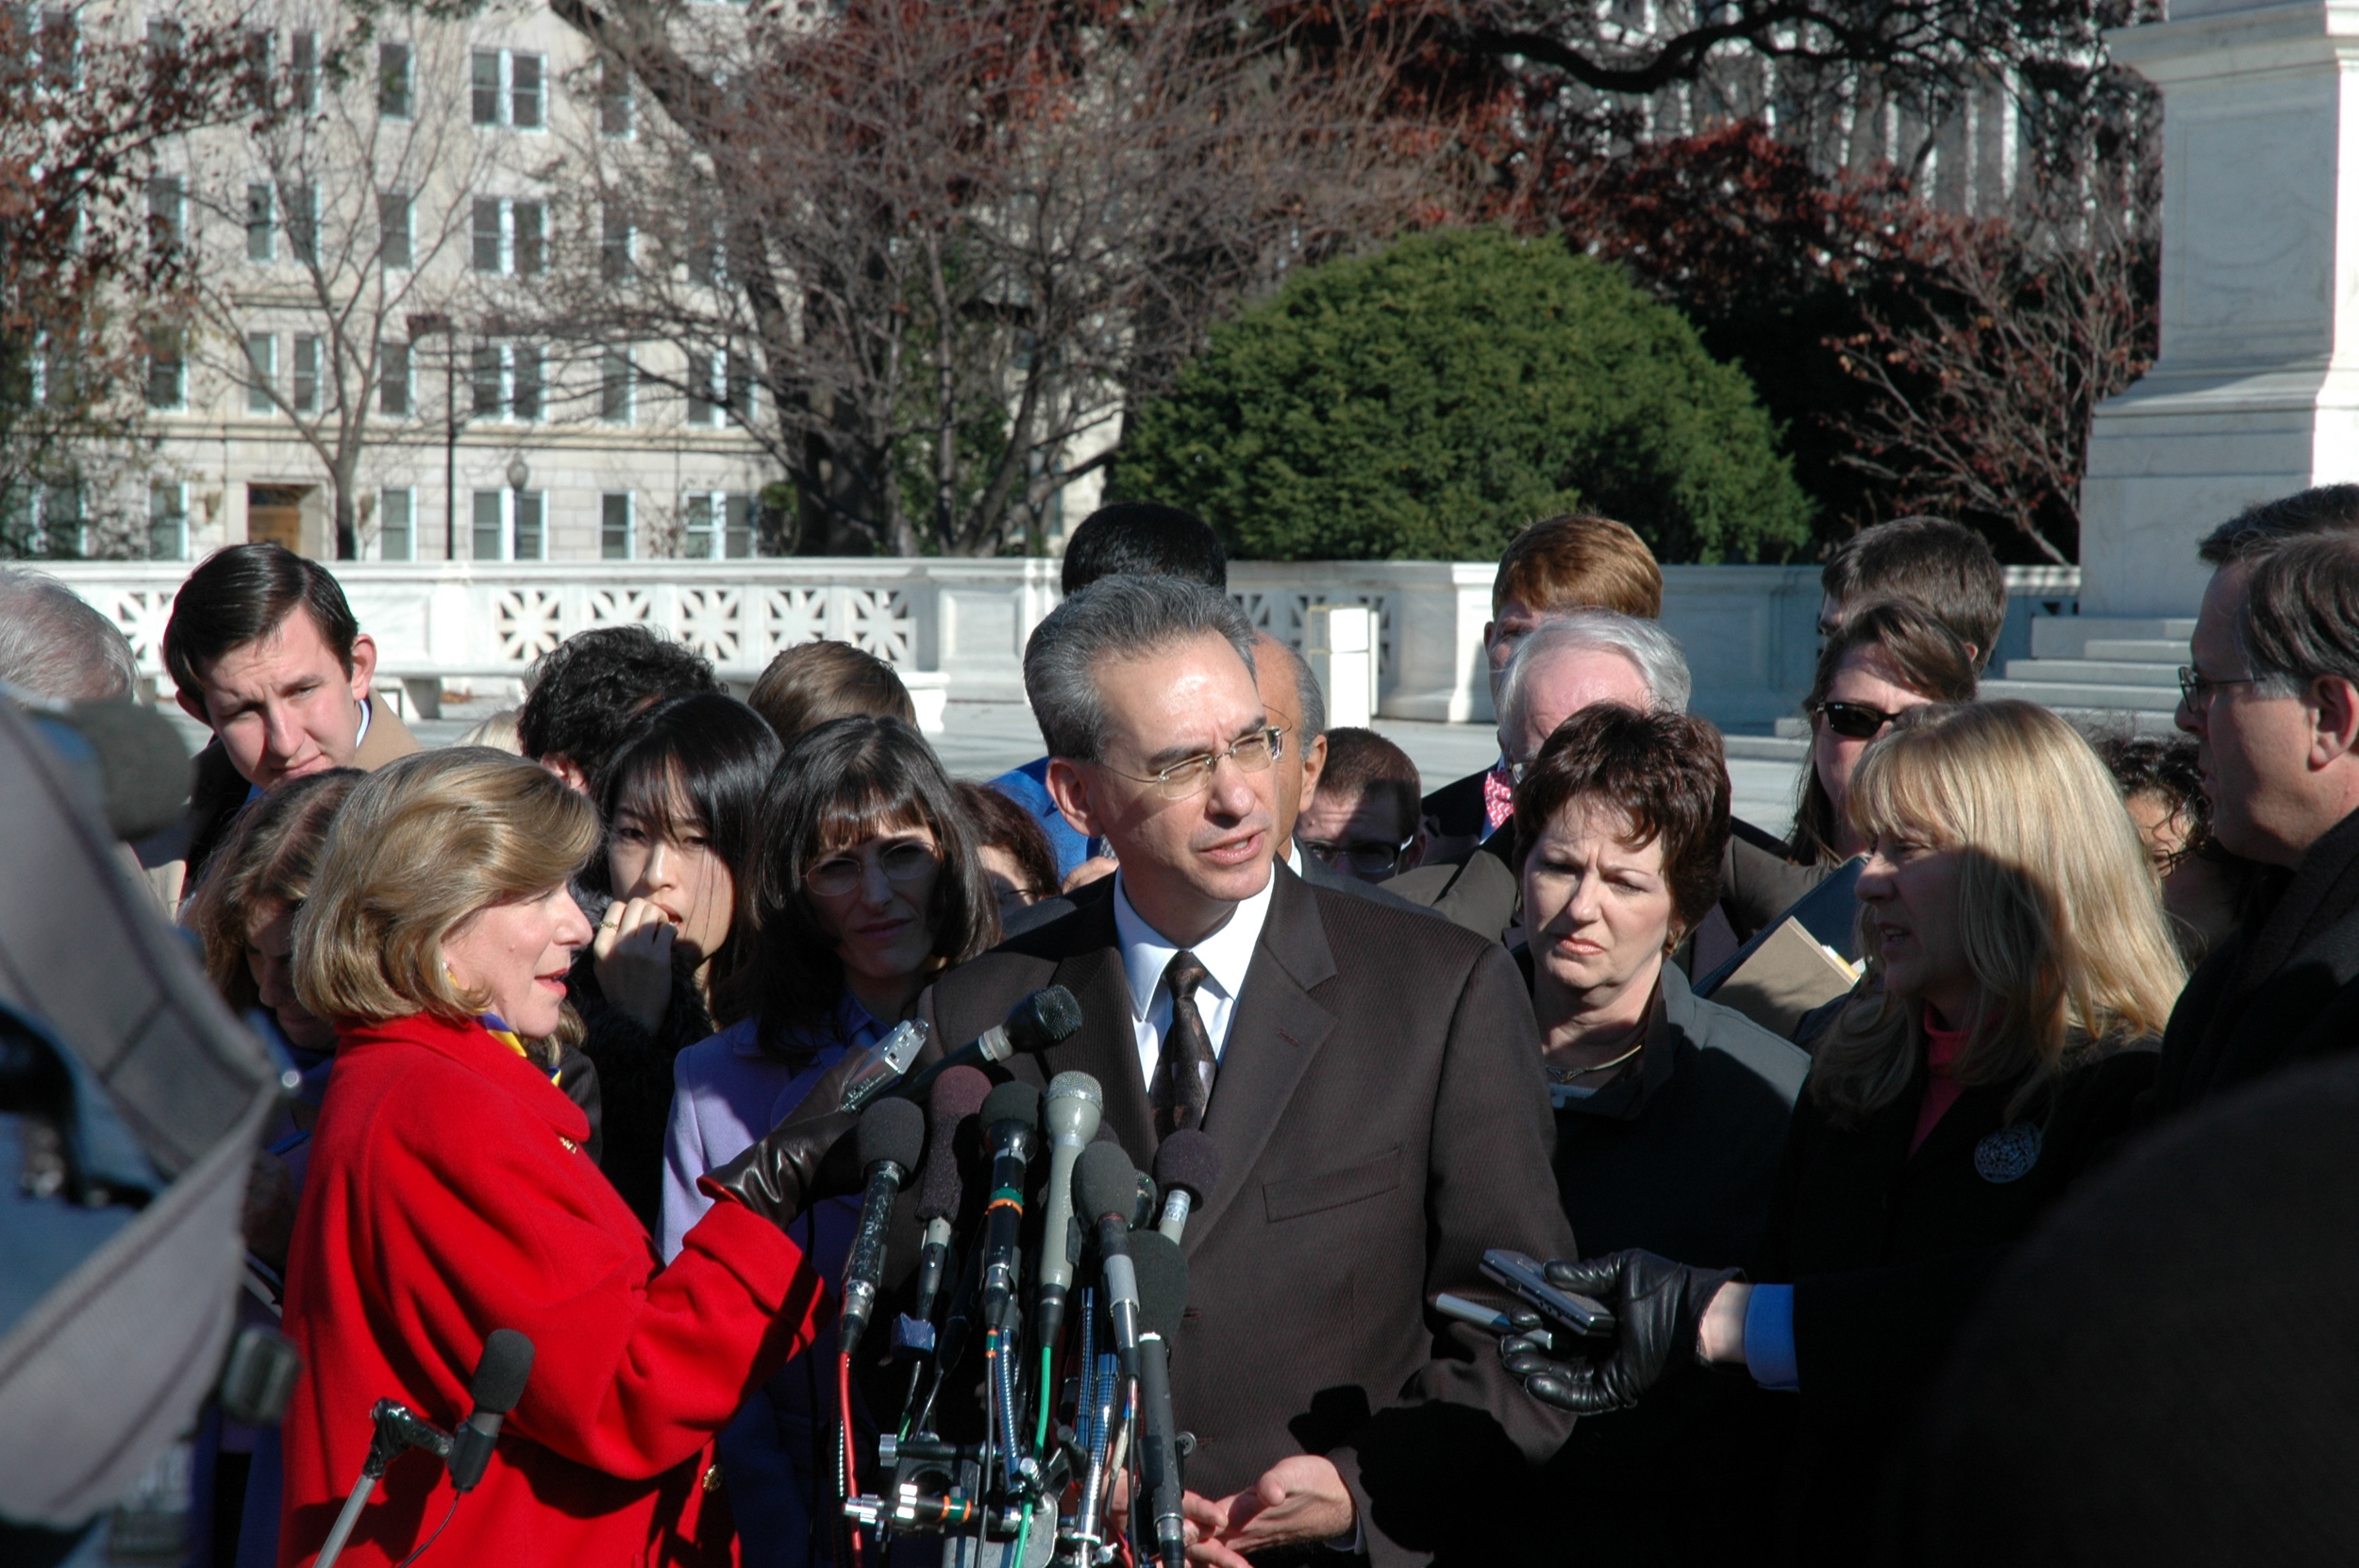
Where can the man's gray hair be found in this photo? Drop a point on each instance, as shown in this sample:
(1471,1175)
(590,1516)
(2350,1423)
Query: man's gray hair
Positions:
(54,644)
(1115,618)
(1660,665)
(2301,618)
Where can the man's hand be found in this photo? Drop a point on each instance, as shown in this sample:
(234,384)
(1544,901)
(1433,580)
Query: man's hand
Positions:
(633,952)
(1297,1500)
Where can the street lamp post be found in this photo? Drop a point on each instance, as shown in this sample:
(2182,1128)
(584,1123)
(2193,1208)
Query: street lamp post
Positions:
(427,326)
(520,476)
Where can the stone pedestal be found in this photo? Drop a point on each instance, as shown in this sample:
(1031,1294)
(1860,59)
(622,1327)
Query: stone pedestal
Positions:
(2256,392)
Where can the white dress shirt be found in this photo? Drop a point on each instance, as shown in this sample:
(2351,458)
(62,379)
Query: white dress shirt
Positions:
(1226,954)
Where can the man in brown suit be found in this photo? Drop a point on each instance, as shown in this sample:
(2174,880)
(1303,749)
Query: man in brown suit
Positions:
(1370,1077)
(264,652)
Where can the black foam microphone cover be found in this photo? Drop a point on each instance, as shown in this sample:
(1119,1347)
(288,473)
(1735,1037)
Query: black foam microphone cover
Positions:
(1015,1101)
(1105,1182)
(501,1375)
(893,1130)
(1043,1019)
(1189,1159)
(1162,1276)
(958,1093)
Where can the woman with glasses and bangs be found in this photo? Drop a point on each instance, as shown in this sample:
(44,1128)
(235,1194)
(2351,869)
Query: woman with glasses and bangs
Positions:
(867,884)
(1885,659)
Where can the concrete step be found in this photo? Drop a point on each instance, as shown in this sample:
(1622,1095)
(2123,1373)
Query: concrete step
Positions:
(2093,671)
(2136,650)
(2064,695)
(2067,636)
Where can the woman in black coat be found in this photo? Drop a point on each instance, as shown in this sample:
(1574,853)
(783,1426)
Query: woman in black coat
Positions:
(681,802)
(2020,970)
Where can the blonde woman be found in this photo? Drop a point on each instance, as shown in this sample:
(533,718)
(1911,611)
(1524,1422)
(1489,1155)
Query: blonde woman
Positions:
(2020,973)
(450,1195)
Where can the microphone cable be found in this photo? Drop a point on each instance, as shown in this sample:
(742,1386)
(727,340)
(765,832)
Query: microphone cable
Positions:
(432,1539)
(847,1471)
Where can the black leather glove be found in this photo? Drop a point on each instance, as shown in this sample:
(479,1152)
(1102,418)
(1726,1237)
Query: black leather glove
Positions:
(1658,1307)
(793,1168)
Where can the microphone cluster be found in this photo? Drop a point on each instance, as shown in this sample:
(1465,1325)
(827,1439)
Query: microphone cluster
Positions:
(1042,1238)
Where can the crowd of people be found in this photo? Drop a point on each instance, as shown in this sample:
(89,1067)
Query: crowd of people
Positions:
(571,1006)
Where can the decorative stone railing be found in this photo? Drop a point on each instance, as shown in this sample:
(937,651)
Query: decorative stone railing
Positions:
(956,629)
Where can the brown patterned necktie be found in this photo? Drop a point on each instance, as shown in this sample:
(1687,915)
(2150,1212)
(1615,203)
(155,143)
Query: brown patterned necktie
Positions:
(1183,1075)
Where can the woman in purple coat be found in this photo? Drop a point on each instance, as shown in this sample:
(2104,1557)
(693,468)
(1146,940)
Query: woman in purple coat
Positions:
(868,885)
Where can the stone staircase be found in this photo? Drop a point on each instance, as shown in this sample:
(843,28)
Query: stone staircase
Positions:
(2102,670)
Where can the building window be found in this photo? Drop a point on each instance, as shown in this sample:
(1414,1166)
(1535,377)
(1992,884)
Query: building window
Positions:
(485,233)
(529,250)
(307,374)
(484,379)
(704,405)
(302,71)
(524,382)
(614,247)
(167,522)
(509,381)
(394,93)
(615,108)
(616,378)
(43,521)
(392,228)
(261,371)
(262,224)
(505,88)
(61,58)
(719,525)
(615,528)
(396,520)
(393,379)
(508,524)
(164,211)
(303,225)
(167,371)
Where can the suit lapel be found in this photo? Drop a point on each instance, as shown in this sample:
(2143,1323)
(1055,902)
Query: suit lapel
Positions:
(1106,1046)
(1278,1028)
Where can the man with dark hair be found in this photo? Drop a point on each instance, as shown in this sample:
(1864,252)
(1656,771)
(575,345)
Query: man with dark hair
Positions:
(1144,539)
(2271,695)
(1944,566)
(1363,821)
(2261,528)
(265,651)
(1137,538)
(1370,1077)
(585,692)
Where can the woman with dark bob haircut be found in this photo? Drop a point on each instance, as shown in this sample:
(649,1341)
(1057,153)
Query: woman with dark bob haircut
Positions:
(1670,1111)
(681,800)
(868,885)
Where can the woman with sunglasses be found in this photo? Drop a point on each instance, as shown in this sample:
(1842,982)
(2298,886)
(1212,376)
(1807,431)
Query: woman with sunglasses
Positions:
(1886,659)
(867,884)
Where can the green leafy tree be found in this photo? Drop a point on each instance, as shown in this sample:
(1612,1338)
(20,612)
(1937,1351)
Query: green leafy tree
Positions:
(1429,401)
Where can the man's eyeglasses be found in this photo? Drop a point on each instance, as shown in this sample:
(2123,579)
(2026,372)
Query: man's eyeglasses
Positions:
(1367,859)
(2196,690)
(1193,775)
(1854,721)
(842,874)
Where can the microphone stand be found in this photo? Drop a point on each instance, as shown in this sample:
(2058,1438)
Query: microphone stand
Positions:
(398,1427)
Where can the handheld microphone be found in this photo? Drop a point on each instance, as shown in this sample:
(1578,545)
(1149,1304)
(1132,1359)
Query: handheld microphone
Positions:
(1162,1276)
(892,1139)
(1044,1018)
(1010,1120)
(1187,1167)
(500,1382)
(958,1095)
(1106,1190)
(1070,1116)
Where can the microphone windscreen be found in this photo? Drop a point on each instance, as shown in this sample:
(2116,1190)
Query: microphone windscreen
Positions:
(1163,1274)
(499,1376)
(1188,1158)
(1104,1182)
(958,1093)
(1043,1019)
(892,1130)
(1106,1134)
(1015,1101)
(1076,1106)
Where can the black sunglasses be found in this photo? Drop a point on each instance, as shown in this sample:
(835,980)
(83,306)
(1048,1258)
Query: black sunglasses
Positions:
(1854,721)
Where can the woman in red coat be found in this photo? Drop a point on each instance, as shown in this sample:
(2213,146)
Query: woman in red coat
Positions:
(449,1195)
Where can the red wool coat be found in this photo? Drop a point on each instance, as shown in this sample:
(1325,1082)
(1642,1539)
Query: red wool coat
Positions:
(448,1195)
